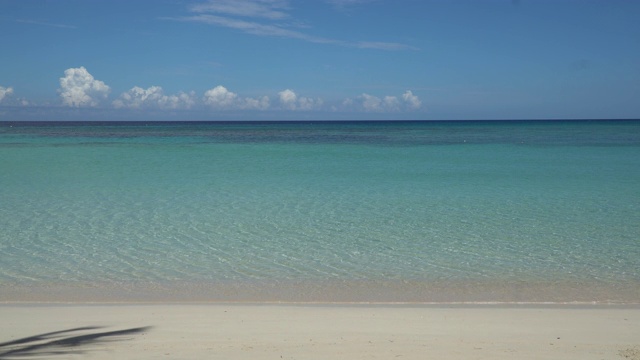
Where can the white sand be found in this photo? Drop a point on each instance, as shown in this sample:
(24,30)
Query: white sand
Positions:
(236,331)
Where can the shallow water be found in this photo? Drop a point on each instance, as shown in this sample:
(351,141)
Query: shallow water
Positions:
(407,211)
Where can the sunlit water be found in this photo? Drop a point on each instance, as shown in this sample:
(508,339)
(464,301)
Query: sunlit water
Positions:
(426,212)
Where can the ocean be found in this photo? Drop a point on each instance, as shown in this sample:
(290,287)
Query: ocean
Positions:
(395,212)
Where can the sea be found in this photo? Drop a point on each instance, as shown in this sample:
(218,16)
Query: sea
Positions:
(502,212)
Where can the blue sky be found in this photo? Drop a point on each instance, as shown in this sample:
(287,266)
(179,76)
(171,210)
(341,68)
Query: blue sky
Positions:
(319,59)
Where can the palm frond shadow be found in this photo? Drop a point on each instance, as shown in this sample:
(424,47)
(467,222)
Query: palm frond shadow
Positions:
(63,342)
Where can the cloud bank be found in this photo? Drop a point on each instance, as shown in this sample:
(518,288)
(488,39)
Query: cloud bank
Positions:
(223,99)
(370,103)
(78,88)
(154,98)
(290,101)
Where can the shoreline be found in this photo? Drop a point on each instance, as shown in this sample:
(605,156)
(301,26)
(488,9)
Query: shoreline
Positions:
(452,305)
(348,292)
(318,331)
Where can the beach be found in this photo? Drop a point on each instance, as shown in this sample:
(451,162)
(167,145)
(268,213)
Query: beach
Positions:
(328,179)
(318,331)
(408,240)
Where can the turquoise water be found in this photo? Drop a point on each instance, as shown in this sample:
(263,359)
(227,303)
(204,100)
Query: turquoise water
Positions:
(407,211)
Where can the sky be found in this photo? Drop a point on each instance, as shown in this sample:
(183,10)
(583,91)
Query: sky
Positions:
(319,59)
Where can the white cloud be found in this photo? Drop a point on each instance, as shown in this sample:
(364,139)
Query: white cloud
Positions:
(264,18)
(391,103)
(6,97)
(255,28)
(78,88)
(221,98)
(344,3)
(269,9)
(289,100)
(373,103)
(181,101)
(228,13)
(4,92)
(256,104)
(412,100)
(305,103)
(154,98)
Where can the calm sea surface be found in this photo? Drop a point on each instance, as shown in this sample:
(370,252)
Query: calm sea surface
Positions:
(370,211)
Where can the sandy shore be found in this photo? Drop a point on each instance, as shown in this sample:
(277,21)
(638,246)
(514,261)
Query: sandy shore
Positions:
(236,331)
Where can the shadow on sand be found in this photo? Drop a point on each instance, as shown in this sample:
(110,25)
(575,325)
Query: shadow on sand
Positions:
(63,342)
